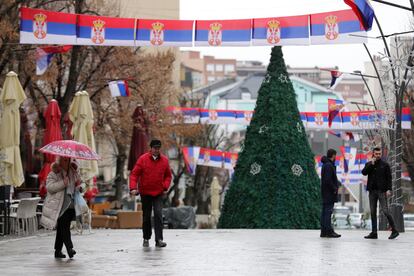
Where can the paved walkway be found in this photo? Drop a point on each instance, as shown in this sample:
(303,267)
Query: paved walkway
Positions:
(213,252)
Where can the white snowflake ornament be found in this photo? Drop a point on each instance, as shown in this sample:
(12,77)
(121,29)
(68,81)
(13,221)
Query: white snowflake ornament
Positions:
(297,169)
(255,168)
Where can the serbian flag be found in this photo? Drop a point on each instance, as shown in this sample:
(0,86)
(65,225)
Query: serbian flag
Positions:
(189,115)
(105,31)
(317,120)
(406,118)
(334,107)
(223,32)
(230,160)
(217,116)
(338,27)
(119,88)
(346,135)
(44,56)
(304,119)
(165,33)
(190,158)
(336,77)
(349,155)
(47,27)
(291,30)
(244,117)
(363,10)
(209,157)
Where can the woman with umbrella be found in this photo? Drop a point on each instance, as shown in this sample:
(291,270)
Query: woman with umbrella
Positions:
(61,184)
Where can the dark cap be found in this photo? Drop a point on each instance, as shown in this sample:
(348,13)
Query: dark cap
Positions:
(155,143)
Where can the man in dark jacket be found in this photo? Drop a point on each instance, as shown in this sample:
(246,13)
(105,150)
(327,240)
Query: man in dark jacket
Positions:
(152,173)
(379,188)
(329,190)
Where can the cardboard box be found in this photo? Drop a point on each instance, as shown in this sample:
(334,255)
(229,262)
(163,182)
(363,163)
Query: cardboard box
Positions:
(129,219)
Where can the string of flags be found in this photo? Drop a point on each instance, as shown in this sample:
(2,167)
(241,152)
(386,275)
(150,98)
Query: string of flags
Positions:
(194,156)
(344,120)
(336,27)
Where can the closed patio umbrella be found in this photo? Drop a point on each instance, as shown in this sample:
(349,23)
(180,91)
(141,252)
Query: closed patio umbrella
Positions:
(81,115)
(53,132)
(139,141)
(12,95)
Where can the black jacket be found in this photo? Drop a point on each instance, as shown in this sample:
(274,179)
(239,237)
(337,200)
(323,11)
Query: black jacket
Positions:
(329,181)
(379,176)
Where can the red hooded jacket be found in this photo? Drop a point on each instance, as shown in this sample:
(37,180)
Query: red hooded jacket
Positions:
(153,176)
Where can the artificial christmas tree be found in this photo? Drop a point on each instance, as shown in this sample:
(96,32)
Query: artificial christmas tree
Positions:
(275,184)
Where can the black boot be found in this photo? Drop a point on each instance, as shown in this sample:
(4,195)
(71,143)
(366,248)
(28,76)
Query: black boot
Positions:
(372,235)
(394,234)
(332,234)
(71,253)
(59,255)
(160,243)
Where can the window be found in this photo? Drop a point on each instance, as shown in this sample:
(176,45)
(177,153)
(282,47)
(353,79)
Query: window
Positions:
(211,79)
(219,67)
(229,68)
(246,96)
(210,67)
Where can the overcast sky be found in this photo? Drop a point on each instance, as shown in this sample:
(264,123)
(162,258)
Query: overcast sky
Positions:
(347,57)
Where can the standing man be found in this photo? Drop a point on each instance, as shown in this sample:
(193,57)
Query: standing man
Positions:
(379,188)
(329,191)
(152,173)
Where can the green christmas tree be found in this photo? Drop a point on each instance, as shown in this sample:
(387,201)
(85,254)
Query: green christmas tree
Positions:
(275,184)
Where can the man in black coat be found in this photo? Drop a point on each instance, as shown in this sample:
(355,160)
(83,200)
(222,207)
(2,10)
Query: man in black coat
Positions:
(329,190)
(379,187)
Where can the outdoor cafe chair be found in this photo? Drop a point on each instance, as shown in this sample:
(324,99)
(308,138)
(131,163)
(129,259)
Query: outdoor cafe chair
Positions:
(26,214)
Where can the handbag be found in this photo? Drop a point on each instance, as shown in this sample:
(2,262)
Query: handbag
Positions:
(80,204)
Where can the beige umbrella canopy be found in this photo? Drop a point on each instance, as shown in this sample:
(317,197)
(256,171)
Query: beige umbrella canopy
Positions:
(81,115)
(12,95)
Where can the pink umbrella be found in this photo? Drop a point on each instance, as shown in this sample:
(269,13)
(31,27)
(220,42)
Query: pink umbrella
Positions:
(70,148)
(52,133)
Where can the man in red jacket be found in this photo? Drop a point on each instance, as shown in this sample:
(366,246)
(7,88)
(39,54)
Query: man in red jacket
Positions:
(152,173)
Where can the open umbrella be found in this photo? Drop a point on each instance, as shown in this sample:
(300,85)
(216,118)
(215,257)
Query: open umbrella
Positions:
(139,141)
(80,113)
(12,95)
(70,148)
(52,133)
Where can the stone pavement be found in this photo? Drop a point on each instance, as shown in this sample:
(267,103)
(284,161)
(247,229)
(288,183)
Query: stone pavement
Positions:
(213,252)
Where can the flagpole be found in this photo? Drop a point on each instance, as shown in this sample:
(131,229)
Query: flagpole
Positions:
(392,4)
(367,86)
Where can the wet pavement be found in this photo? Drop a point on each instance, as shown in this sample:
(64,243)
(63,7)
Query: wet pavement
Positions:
(213,252)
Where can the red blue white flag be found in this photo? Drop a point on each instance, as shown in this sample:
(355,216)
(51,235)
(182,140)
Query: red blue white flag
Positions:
(338,27)
(212,158)
(47,27)
(291,30)
(230,160)
(349,154)
(406,119)
(165,33)
(363,10)
(304,119)
(334,107)
(217,116)
(119,88)
(317,120)
(105,31)
(44,56)
(244,117)
(223,32)
(187,115)
(190,158)
(346,135)
(336,77)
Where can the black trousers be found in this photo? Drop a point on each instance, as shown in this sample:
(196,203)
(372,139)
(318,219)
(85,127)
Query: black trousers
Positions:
(326,225)
(150,203)
(374,197)
(63,230)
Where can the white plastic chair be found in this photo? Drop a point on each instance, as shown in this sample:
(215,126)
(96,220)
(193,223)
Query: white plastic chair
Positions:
(26,213)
